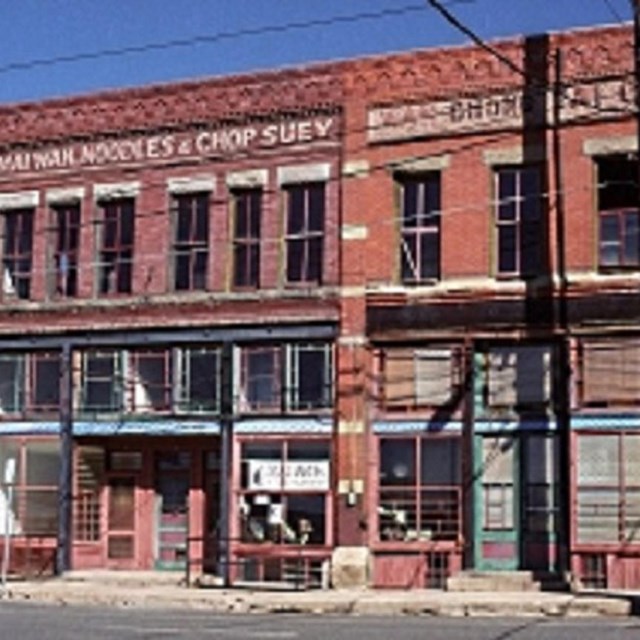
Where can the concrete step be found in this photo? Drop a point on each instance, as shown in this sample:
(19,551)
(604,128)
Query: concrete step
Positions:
(493,581)
(131,579)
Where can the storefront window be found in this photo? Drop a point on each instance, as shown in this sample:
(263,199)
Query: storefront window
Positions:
(419,492)
(33,508)
(608,489)
(284,492)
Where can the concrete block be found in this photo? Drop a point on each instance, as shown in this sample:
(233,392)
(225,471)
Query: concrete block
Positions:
(350,567)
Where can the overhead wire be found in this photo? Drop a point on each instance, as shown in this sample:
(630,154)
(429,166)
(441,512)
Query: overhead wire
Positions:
(217,37)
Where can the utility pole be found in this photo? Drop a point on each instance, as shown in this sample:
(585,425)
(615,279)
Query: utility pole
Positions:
(635,8)
(226,464)
(65,483)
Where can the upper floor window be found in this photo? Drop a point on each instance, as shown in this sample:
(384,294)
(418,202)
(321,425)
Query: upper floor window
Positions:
(609,372)
(518,377)
(191,241)
(148,377)
(140,381)
(305,232)
(198,376)
(29,383)
(65,245)
(619,220)
(293,377)
(420,222)
(115,264)
(247,213)
(519,223)
(17,248)
(424,377)
(101,381)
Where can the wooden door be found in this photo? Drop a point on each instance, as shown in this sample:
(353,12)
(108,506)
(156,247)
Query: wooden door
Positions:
(121,521)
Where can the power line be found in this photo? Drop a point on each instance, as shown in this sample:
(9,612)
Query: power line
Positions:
(215,37)
(614,12)
(451,19)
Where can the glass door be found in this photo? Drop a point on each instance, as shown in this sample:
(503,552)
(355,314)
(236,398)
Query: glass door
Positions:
(497,517)
(172,512)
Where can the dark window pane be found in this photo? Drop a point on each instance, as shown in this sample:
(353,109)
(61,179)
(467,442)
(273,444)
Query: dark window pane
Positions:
(295,260)
(296,209)
(410,204)
(46,391)
(631,254)
(530,183)
(397,462)
(429,255)
(314,264)
(311,378)
(609,228)
(507,211)
(530,248)
(440,461)
(202,379)
(202,218)
(433,195)
(506,184)
(316,207)
(263,384)
(255,206)
(507,253)
(184,223)
(609,255)
(617,182)
(409,257)
(241,226)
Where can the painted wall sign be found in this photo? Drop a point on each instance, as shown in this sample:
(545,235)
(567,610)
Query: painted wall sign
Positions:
(299,475)
(501,110)
(214,142)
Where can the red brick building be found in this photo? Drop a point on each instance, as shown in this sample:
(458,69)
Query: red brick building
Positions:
(491,213)
(378,316)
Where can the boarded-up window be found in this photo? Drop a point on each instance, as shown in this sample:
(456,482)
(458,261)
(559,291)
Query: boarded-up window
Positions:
(422,377)
(610,371)
(519,376)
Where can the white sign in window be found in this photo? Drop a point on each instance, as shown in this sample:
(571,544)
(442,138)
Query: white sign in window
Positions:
(295,475)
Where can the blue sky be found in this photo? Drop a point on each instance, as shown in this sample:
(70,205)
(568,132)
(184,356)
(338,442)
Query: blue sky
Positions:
(49,29)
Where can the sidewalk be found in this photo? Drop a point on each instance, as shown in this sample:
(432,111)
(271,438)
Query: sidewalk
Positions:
(147,589)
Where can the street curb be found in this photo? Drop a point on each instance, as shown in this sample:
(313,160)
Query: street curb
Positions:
(365,603)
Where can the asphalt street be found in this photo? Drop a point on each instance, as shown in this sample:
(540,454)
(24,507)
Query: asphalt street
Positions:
(23,621)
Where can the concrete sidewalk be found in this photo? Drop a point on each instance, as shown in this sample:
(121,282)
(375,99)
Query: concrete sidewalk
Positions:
(100,588)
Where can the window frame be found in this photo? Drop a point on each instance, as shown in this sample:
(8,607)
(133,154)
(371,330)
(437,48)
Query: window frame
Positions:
(247,203)
(116,378)
(182,380)
(284,378)
(115,260)
(395,499)
(17,252)
(312,241)
(64,252)
(617,200)
(523,228)
(195,206)
(423,225)
(287,537)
